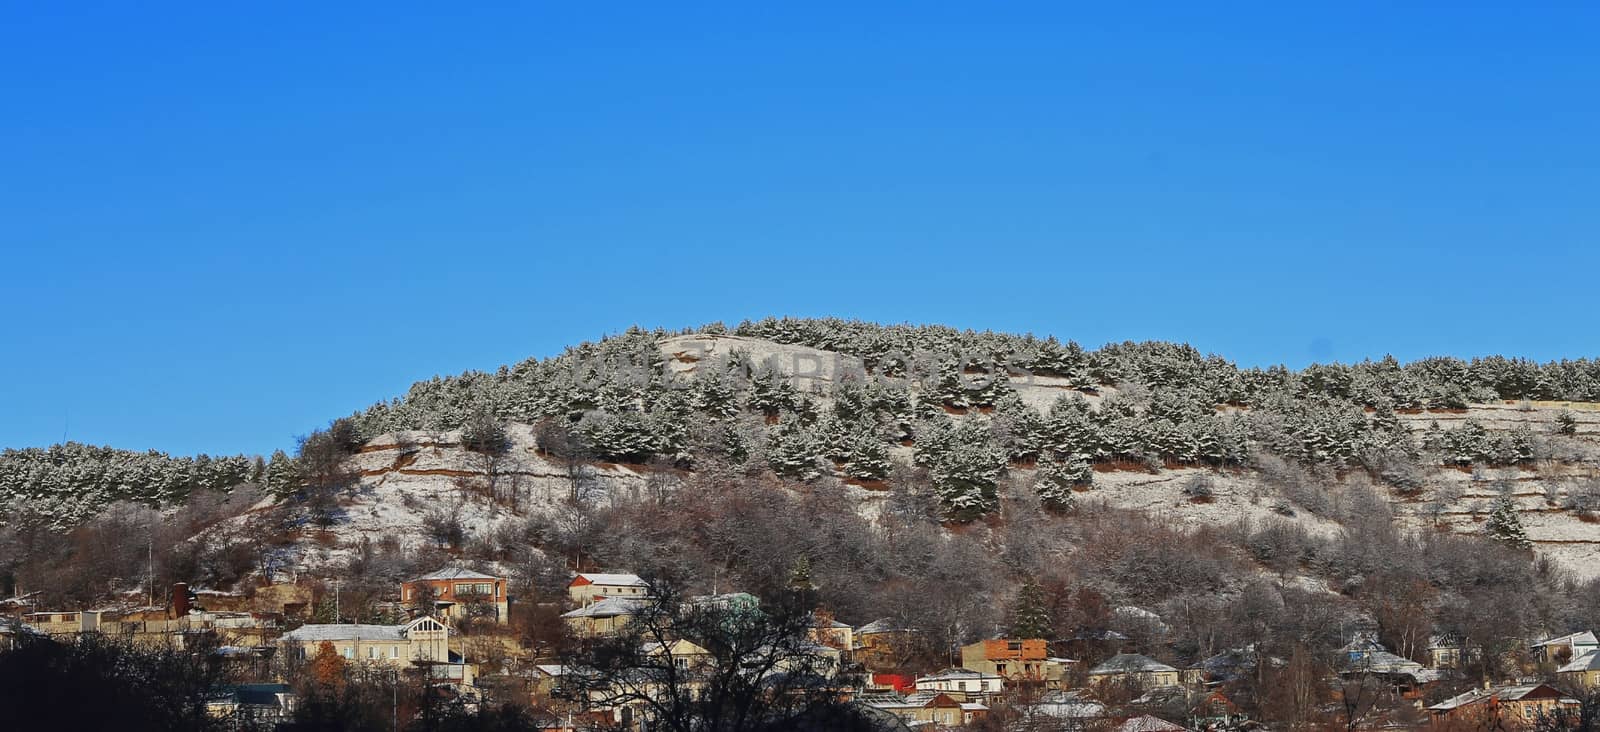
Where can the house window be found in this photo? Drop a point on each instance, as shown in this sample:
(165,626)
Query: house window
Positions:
(394,651)
(348,652)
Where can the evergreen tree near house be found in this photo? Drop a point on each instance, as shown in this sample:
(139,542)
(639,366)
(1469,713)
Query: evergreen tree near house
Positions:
(1505,525)
(1029,617)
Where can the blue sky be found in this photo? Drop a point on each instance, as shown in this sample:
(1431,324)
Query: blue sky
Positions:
(223,227)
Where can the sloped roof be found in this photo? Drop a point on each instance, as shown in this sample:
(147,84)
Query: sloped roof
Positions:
(1124,663)
(608,608)
(258,695)
(1503,693)
(829,623)
(318,632)
(1148,723)
(1585,638)
(619,580)
(1587,662)
(455,573)
(881,625)
(955,674)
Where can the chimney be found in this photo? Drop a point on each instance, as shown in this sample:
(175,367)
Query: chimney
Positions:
(180,599)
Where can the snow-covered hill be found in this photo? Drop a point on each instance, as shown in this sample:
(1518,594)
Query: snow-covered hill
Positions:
(409,478)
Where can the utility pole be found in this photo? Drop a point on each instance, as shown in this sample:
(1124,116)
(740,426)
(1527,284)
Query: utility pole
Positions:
(150,566)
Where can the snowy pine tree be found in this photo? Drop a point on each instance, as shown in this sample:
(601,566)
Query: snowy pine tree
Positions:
(868,457)
(1029,617)
(1057,479)
(1505,525)
(792,452)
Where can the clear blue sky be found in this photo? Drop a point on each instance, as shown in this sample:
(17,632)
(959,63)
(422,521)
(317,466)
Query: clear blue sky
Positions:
(223,227)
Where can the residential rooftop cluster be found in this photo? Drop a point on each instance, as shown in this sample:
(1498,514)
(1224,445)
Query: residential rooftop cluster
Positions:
(453,629)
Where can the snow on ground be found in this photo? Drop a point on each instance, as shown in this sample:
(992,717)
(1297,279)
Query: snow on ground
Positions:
(407,476)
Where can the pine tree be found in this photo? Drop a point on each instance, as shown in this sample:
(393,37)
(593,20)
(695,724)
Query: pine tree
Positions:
(1566,423)
(869,457)
(1029,617)
(792,452)
(1058,477)
(1505,525)
(965,478)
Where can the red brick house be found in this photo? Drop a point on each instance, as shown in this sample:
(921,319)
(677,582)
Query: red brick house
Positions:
(458,593)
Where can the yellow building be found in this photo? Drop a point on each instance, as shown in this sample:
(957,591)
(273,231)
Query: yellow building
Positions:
(601,618)
(1132,668)
(589,587)
(422,642)
(1584,671)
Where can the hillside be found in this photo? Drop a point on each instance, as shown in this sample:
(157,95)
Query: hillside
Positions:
(967,423)
(407,475)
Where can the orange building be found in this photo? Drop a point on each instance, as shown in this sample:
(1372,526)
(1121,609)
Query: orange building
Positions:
(1506,707)
(1014,660)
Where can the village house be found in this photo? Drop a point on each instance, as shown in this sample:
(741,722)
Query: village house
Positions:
(64,622)
(1583,671)
(1072,709)
(1404,677)
(1506,707)
(962,684)
(827,631)
(1148,723)
(457,594)
(1564,649)
(422,642)
(1216,711)
(589,588)
(13,631)
(1016,661)
(601,618)
(249,706)
(924,708)
(1133,669)
(1444,651)
(881,643)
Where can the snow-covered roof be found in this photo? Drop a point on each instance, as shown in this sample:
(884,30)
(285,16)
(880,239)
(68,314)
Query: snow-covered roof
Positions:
(1384,662)
(924,698)
(318,632)
(615,580)
(610,607)
(1587,662)
(1504,693)
(11,626)
(1068,705)
(1124,663)
(1585,638)
(455,573)
(958,674)
(881,625)
(551,669)
(1148,723)
(829,623)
